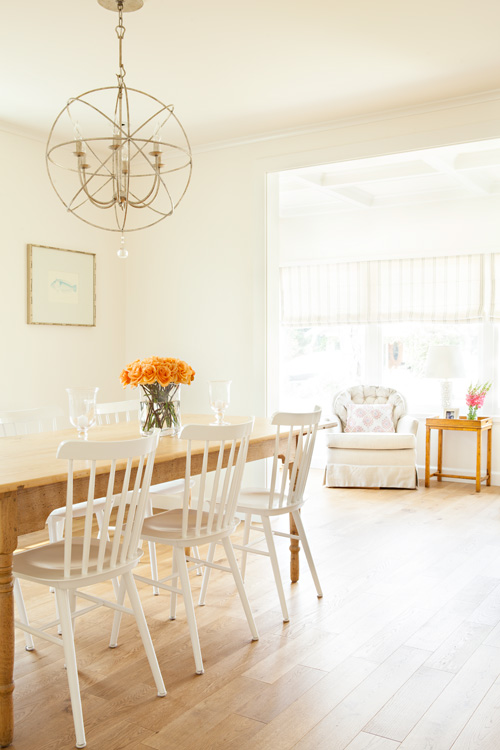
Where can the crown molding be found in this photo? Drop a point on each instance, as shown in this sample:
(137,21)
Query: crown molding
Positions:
(352,121)
(12,128)
(319,127)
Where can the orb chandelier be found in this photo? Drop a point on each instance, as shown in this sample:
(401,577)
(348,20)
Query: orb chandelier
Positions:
(118,158)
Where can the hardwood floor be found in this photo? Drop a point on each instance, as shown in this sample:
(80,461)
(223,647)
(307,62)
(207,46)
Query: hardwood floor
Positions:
(402,653)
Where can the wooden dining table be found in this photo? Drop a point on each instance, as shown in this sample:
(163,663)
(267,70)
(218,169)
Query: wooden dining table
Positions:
(33,483)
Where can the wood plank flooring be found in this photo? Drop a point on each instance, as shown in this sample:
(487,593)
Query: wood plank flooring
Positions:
(402,652)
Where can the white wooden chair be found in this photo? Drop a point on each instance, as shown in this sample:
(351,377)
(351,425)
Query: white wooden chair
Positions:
(163,496)
(117,411)
(106,414)
(285,495)
(42,419)
(77,562)
(211,519)
(45,419)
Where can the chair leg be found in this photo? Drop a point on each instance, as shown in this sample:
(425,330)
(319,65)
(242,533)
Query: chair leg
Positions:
(120,598)
(266,523)
(173,595)
(55,526)
(307,551)
(206,575)
(246,539)
(154,566)
(23,615)
(196,553)
(233,564)
(188,605)
(135,601)
(71,667)
(72,606)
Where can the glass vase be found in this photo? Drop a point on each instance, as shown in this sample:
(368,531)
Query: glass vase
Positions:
(161,409)
(472,413)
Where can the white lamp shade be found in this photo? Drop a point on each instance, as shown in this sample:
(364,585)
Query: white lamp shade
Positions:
(444,361)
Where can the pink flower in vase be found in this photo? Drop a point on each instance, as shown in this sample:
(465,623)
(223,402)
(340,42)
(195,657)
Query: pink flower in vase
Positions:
(474,398)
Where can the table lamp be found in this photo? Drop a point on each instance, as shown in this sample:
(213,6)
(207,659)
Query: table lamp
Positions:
(445,362)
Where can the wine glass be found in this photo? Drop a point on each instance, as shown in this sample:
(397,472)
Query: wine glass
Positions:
(218,392)
(82,409)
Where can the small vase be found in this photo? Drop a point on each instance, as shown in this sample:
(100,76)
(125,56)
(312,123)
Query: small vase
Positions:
(163,411)
(472,413)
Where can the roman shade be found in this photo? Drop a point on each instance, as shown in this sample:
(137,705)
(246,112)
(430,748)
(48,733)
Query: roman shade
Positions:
(495,287)
(447,289)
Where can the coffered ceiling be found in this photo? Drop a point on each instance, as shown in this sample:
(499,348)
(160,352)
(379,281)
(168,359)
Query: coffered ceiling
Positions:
(450,173)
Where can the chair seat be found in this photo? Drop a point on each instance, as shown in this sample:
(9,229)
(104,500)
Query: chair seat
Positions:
(46,563)
(257,499)
(167,527)
(371,440)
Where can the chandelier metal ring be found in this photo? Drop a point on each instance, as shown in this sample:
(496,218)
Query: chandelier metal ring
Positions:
(96,168)
(129,152)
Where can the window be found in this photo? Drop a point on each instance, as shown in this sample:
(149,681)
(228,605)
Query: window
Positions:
(347,335)
(316,362)
(405,348)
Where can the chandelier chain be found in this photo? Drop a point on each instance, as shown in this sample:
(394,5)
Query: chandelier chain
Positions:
(120,33)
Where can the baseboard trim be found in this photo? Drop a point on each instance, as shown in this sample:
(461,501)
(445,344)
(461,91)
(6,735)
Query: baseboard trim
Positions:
(318,463)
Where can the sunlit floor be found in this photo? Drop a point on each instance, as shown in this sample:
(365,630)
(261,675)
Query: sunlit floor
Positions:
(403,651)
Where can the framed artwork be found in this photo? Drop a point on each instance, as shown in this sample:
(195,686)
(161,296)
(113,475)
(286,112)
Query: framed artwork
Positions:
(451,413)
(61,287)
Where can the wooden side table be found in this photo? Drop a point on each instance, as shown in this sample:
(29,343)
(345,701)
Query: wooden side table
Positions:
(479,426)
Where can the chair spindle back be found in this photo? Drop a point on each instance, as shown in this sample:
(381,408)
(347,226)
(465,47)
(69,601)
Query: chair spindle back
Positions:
(131,497)
(42,419)
(302,429)
(117,411)
(215,506)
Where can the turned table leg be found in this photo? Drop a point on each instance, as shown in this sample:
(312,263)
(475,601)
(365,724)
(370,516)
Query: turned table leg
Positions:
(427,456)
(8,543)
(478,461)
(294,552)
(294,543)
(440,455)
(488,460)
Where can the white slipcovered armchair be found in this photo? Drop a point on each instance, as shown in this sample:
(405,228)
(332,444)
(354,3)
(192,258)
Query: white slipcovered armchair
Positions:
(360,457)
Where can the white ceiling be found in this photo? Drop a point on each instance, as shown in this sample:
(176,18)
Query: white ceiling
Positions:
(235,70)
(470,170)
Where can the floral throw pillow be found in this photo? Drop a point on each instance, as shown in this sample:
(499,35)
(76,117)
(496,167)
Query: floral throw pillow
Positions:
(369,418)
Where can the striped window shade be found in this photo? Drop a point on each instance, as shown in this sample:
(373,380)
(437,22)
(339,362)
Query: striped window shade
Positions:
(324,294)
(495,287)
(441,290)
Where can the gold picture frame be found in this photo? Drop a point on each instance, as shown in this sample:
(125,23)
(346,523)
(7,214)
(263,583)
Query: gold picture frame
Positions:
(61,287)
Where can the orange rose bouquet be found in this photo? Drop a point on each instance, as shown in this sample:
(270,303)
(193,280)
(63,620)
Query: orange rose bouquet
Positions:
(160,379)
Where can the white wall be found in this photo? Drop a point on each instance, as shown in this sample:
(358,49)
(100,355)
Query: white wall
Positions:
(196,283)
(442,228)
(39,361)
